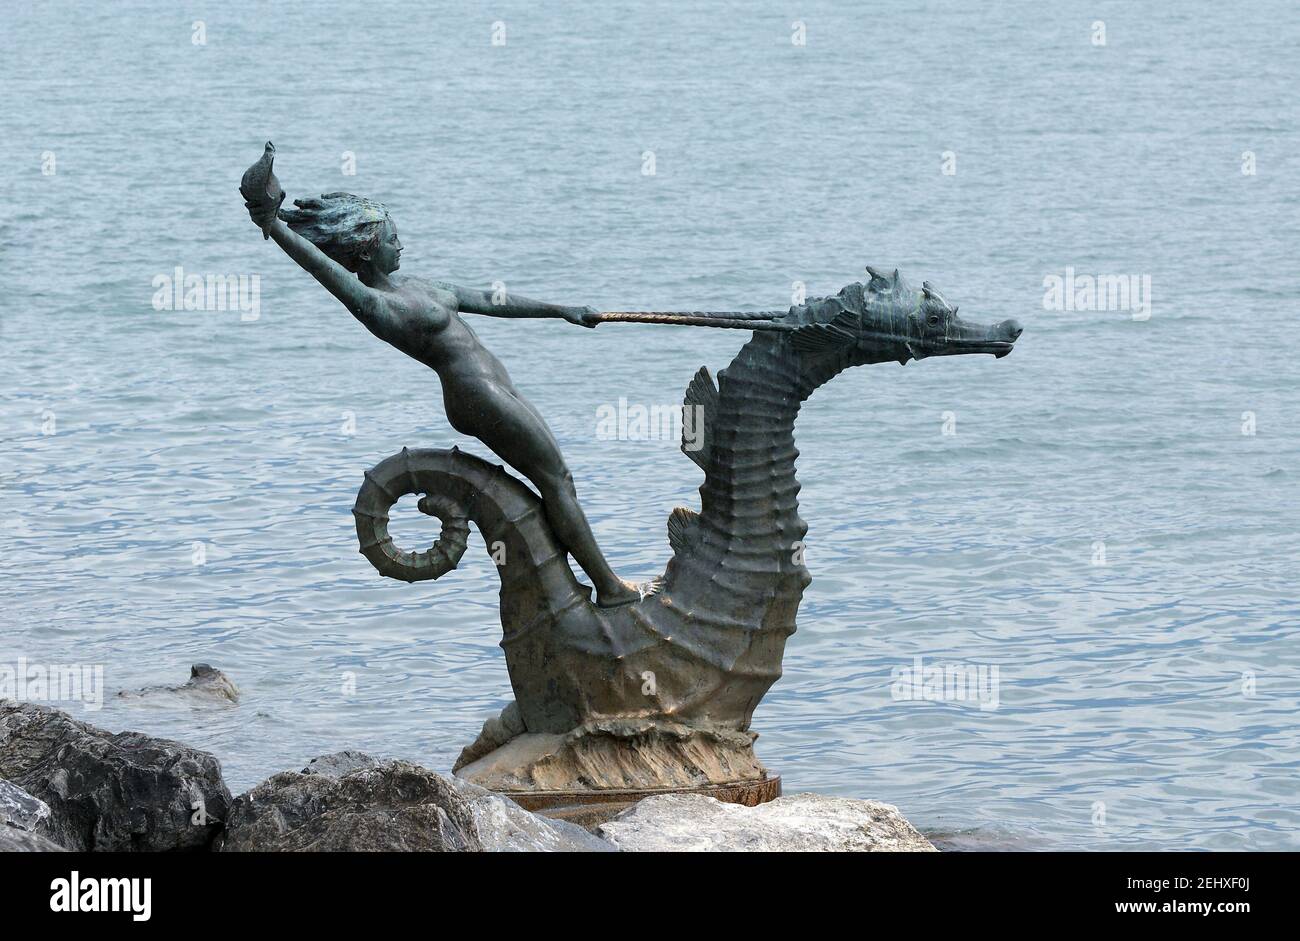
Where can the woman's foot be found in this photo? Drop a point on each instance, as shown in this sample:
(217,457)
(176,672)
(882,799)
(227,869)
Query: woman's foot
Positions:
(619,593)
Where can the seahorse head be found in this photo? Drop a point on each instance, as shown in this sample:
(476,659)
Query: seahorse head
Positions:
(887,319)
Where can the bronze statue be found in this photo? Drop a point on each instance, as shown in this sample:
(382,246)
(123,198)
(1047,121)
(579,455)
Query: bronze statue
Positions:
(657,693)
(350,245)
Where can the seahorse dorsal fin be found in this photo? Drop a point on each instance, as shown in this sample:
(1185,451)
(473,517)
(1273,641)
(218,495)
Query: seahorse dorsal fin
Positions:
(698,409)
(681,527)
(826,337)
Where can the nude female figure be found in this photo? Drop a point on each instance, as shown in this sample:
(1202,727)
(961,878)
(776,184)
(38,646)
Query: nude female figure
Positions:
(349,244)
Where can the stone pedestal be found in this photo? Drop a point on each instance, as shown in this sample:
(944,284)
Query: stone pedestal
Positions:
(593,772)
(591,808)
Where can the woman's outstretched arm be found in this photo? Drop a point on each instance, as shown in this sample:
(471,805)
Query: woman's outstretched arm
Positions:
(503,304)
(366,304)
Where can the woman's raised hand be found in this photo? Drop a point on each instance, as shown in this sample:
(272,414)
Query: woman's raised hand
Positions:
(262,213)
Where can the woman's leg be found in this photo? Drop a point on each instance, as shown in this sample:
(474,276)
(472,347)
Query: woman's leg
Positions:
(565,515)
(518,435)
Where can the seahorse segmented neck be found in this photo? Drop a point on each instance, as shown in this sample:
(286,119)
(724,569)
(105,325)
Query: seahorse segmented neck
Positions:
(748,537)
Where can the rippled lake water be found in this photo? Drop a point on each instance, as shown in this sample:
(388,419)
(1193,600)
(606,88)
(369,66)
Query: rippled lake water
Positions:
(1147,702)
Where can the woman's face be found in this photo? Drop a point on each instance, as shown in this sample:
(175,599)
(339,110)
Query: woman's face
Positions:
(386,256)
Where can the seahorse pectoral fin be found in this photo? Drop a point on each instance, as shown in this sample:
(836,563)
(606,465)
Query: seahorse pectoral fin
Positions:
(681,529)
(698,411)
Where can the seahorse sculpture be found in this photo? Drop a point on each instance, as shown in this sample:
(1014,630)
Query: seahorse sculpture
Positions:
(697,656)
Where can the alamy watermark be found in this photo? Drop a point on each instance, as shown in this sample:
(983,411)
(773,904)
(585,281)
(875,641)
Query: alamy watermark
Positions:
(53,682)
(103,894)
(948,682)
(636,422)
(181,291)
(1072,291)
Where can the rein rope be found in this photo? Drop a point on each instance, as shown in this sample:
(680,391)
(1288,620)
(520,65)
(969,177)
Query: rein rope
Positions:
(732,319)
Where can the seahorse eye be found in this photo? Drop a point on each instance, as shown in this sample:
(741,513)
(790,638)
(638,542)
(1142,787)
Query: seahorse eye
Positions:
(934,320)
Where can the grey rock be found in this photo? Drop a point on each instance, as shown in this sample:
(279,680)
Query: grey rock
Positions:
(505,827)
(14,840)
(395,806)
(797,823)
(112,792)
(340,763)
(206,682)
(19,809)
(350,801)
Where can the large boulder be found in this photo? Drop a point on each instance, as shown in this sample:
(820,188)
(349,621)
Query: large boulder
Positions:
(111,792)
(798,823)
(396,806)
(349,801)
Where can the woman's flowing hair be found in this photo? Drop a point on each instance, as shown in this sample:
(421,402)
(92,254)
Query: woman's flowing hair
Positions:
(341,225)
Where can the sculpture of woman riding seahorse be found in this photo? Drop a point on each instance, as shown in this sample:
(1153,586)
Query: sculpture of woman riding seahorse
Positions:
(630,693)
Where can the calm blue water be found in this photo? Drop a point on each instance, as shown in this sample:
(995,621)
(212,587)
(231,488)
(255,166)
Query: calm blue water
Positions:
(1123,720)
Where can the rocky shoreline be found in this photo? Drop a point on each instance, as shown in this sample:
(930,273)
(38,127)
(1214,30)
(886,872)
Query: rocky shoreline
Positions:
(67,785)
